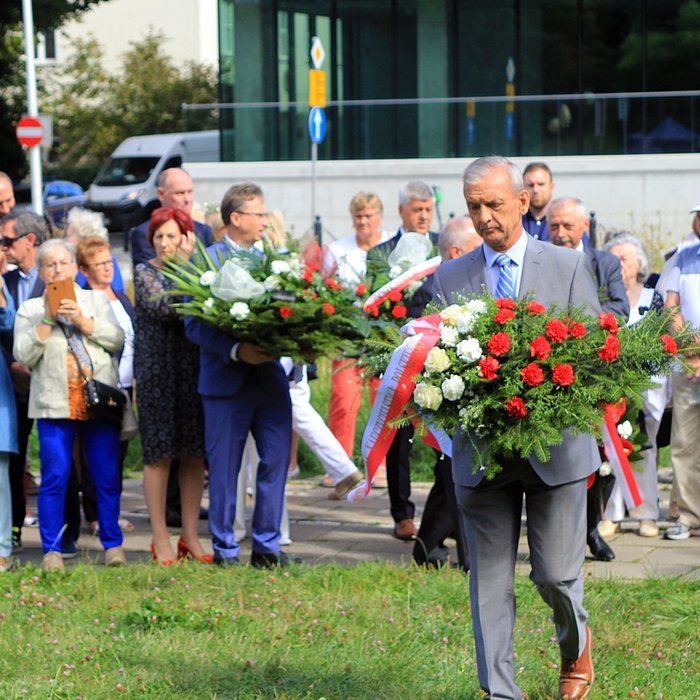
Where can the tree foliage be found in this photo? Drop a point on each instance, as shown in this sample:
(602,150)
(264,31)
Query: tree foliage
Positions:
(94,111)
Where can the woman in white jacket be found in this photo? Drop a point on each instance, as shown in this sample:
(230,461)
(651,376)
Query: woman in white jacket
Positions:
(80,330)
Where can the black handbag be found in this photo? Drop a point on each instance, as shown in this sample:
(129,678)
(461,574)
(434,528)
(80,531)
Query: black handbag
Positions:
(103,401)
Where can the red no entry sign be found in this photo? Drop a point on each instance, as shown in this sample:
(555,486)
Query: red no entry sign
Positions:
(29,132)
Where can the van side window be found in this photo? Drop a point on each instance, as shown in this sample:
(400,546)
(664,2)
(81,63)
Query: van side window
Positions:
(174,162)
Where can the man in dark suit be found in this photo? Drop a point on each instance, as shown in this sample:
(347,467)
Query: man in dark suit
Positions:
(243,390)
(416,208)
(568,225)
(22,234)
(175,189)
(555,491)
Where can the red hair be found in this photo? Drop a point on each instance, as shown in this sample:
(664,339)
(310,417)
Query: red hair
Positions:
(165,214)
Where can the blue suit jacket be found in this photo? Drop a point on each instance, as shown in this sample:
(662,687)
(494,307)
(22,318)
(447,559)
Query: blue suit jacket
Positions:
(218,374)
(12,285)
(142,251)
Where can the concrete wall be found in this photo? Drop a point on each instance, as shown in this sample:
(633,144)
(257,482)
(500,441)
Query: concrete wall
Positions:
(649,195)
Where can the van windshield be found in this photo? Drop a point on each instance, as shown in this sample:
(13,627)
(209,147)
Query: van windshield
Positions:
(126,171)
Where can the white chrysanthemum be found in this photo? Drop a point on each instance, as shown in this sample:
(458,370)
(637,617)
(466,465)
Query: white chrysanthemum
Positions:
(465,322)
(395,271)
(207,278)
(295,266)
(427,396)
(239,310)
(477,306)
(209,303)
(605,469)
(625,430)
(272,282)
(437,361)
(413,287)
(449,336)
(279,267)
(469,350)
(453,387)
(450,314)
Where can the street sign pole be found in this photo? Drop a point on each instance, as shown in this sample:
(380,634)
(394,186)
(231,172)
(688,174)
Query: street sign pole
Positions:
(32,106)
(317,117)
(314,158)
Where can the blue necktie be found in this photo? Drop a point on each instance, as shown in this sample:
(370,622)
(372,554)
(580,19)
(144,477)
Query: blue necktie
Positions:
(505,287)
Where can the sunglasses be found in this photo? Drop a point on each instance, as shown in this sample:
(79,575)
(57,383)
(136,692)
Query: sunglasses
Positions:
(7,242)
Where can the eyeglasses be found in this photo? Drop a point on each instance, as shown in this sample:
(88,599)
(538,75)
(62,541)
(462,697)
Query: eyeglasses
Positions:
(8,242)
(56,264)
(102,265)
(259,214)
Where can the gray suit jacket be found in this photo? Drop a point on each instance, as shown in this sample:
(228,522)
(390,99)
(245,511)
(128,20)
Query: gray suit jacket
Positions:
(554,276)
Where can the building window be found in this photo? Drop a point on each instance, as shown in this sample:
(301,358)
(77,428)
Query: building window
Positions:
(46,47)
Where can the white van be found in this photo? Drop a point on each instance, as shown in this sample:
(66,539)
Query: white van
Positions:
(125,188)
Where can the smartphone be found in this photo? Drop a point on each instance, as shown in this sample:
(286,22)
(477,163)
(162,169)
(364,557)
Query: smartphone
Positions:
(56,291)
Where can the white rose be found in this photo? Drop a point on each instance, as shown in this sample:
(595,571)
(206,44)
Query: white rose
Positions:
(453,387)
(450,314)
(207,278)
(605,469)
(469,350)
(437,360)
(427,396)
(449,336)
(477,306)
(395,271)
(625,430)
(279,267)
(271,283)
(239,310)
(465,322)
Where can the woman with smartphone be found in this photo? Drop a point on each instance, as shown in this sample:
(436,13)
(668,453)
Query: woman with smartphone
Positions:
(67,333)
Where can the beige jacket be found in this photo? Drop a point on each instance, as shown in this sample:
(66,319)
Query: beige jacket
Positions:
(48,392)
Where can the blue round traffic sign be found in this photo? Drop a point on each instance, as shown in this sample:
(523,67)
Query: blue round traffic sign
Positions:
(317,124)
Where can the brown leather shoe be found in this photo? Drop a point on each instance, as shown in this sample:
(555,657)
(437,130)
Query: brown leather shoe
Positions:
(576,678)
(405,530)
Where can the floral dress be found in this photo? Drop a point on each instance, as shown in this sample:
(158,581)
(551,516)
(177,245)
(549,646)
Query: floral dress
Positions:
(166,370)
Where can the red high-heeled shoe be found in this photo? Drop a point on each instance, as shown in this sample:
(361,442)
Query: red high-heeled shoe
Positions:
(162,562)
(184,552)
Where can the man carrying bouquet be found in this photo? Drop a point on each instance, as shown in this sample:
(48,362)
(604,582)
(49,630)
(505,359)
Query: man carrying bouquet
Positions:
(243,390)
(513,264)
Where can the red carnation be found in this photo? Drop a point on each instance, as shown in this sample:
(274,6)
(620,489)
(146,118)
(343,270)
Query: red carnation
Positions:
(505,304)
(611,350)
(532,374)
(670,345)
(515,407)
(399,311)
(314,295)
(504,315)
(374,310)
(499,344)
(577,330)
(540,348)
(331,284)
(556,330)
(608,322)
(360,289)
(534,308)
(328,308)
(488,367)
(286,312)
(394,295)
(308,275)
(563,375)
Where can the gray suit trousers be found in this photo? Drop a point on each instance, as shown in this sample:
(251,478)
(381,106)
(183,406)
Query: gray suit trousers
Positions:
(491,515)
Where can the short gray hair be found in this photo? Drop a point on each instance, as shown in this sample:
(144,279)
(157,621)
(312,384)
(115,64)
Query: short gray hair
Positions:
(86,223)
(620,237)
(236,196)
(454,233)
(49,246)
(29,222)
(478,169)
(581,209)
(415,190)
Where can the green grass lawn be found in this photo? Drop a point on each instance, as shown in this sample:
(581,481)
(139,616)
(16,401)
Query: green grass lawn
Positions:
(365,632)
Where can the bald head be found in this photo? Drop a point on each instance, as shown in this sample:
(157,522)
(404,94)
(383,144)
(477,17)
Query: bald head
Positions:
(7,194)
(458,237)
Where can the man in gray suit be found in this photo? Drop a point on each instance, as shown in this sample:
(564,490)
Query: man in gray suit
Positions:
(555,491)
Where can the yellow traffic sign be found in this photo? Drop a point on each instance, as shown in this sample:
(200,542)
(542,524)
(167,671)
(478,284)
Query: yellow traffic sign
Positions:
(317,88)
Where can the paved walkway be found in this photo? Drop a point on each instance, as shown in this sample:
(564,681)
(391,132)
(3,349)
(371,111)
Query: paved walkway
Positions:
(326,531)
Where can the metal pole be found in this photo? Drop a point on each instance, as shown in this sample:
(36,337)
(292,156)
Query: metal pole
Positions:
(314,157)
(32,106)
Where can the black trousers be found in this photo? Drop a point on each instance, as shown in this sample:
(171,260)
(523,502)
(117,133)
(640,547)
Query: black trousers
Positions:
(398,475)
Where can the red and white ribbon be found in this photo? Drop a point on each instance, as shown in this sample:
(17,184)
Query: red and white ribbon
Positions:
(400,282)
(614,449)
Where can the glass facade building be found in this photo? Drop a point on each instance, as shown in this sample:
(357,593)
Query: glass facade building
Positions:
(447,69)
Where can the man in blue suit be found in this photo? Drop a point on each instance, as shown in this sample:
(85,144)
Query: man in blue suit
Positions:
(243,390)
(518,265)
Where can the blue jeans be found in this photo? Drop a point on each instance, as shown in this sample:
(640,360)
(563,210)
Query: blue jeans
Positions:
(101,443)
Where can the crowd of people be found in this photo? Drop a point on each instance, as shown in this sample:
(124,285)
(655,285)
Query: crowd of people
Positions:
(206,400)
